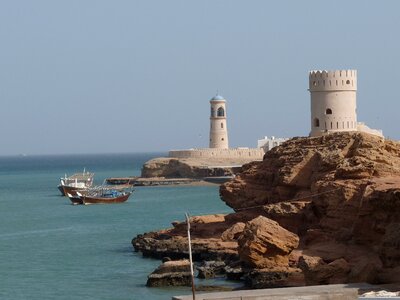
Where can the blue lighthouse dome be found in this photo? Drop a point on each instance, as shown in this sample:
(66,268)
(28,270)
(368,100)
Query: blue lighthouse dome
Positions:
(217,97)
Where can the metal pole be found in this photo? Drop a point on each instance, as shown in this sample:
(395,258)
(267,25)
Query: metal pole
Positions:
(190,256)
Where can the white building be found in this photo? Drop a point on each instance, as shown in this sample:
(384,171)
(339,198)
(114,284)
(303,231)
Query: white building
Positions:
(334,103)
(269,143)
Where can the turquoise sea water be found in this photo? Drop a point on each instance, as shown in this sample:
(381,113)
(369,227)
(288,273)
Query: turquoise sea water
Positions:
(50,249)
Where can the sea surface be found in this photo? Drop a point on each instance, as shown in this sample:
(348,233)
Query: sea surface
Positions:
(50,249)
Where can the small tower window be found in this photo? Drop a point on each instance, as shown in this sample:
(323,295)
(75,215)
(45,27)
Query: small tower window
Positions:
(347,81)
(222,139)
(222,125)
(221,112)
(212,112)
(328,111)
(316,122)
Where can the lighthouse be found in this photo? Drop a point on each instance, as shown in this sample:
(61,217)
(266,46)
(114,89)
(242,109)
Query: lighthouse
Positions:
(218,129)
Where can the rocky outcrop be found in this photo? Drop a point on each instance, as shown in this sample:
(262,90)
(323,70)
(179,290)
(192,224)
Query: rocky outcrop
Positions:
(171,273)
(206,240)
(211,269)
(191,167)
(330,210)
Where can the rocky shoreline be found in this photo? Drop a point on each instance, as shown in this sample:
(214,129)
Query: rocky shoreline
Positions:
(320,210)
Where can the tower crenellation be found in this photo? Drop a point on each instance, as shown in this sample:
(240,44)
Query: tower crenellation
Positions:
(333,80)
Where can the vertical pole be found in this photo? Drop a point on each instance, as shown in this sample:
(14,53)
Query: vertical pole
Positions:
(190,255)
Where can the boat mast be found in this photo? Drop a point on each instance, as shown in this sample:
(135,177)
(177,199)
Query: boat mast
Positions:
(190,255)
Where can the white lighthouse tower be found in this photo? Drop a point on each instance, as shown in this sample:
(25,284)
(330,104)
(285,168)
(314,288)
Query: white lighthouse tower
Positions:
(333,101)
(218,130)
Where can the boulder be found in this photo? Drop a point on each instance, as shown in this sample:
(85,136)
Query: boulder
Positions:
(233,232)
(316,271)
(171,273)
(265,244)
(211,269)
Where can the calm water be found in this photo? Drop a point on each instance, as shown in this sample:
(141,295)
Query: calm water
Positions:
(50,249)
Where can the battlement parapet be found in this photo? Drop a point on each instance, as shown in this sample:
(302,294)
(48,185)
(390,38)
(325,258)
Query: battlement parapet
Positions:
(337,80)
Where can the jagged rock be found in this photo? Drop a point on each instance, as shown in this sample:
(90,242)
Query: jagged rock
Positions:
(171,273)
(316,271)
(211,269)
(265,244)
(274,277)
(233,232)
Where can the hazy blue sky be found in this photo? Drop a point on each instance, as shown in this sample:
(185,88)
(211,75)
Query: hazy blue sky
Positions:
(130,76)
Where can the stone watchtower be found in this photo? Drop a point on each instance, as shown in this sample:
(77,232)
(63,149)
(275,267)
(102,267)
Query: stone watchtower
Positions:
(333,101)
(218,130)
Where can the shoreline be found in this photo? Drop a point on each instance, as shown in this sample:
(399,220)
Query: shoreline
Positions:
(163,181)
(189,184)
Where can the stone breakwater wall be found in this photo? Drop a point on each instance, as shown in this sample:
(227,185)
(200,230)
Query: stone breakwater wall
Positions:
(241,153)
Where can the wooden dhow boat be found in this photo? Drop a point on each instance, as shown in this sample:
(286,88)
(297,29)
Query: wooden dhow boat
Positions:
(100,195)
(76,182)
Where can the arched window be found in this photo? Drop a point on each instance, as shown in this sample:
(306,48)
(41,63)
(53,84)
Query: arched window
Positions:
(212,112)
(316,122)
(220,112)
(222,125)
(328,111)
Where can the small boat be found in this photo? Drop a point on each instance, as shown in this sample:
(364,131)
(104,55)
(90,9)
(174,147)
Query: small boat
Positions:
(100,195)
(76,182)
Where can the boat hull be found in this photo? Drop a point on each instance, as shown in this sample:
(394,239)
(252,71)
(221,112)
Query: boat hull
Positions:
(61,189)
(104,200)
(72,190)
(76,200)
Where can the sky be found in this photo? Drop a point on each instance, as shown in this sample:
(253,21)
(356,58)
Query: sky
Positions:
(118,76)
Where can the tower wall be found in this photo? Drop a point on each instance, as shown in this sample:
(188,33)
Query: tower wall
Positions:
(333,101)
(237,153)
(218,126)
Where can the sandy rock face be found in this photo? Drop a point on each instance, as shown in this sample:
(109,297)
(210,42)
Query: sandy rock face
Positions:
(265,244)
(330,210)
(351,184)
(191,167)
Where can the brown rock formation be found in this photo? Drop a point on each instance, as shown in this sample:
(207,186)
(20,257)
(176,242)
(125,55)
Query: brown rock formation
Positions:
(340,194)
(191,167)
(175,273)
(265,244)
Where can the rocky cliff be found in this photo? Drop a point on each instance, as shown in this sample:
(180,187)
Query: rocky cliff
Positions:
(314,211)
(191,167)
